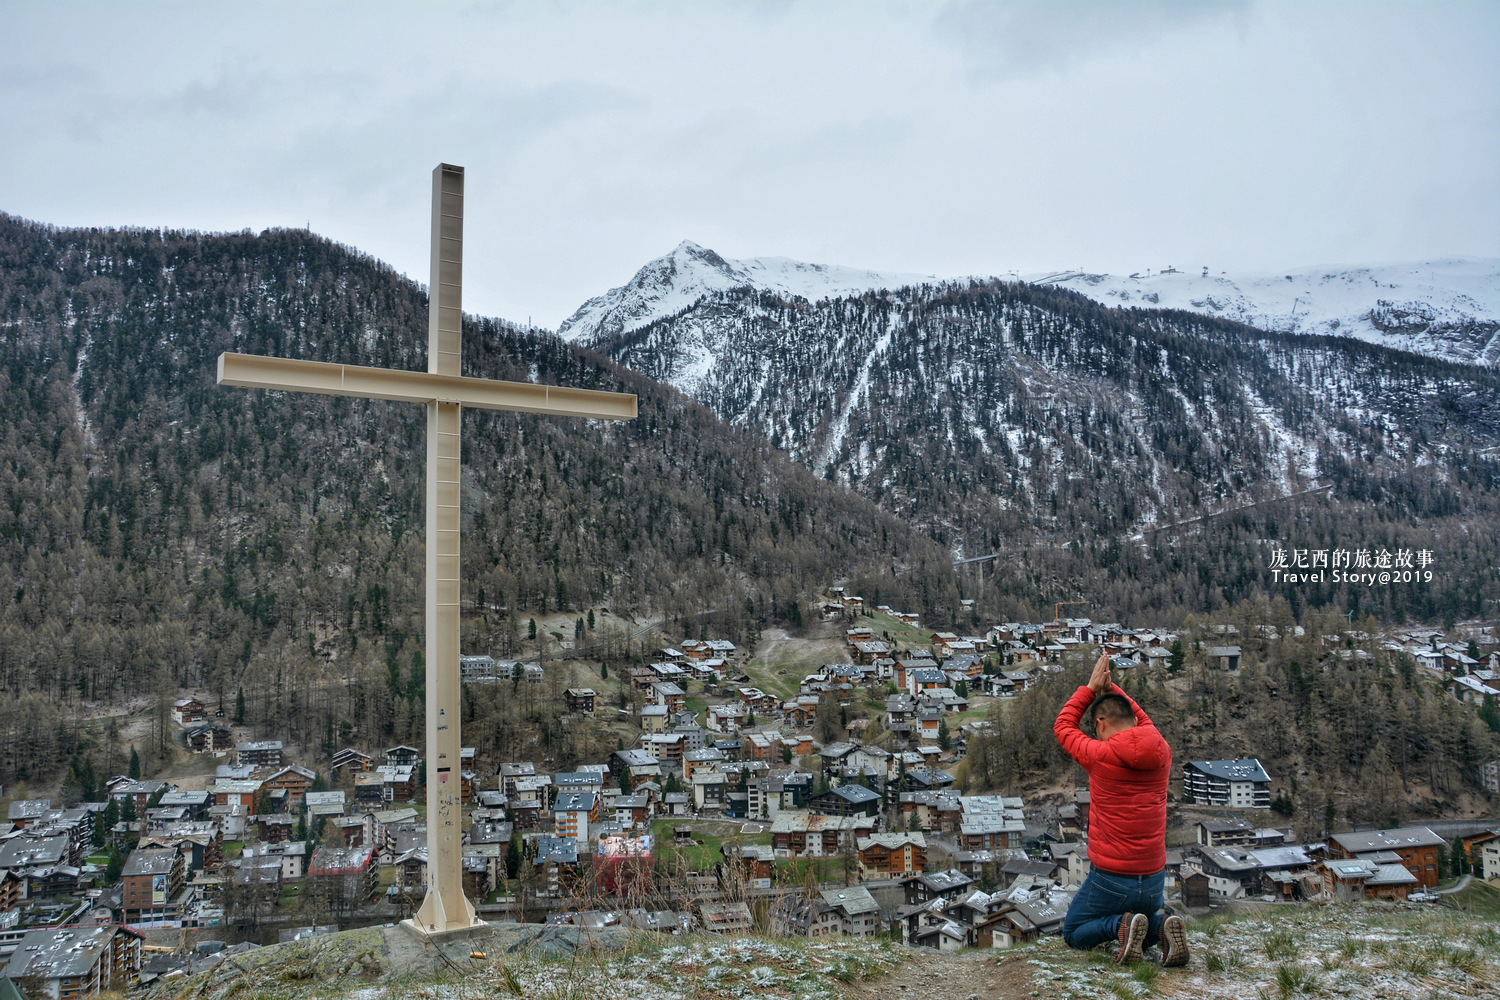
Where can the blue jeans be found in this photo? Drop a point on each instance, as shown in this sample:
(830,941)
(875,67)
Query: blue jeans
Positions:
(1094,914)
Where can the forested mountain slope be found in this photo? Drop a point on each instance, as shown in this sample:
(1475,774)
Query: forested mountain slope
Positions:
(159,530)
(1077,439)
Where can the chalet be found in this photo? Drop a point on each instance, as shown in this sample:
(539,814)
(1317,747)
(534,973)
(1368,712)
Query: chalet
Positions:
(640,765)
(141,791)
(398,782)
(757,700)
(940,643)
(1224,832)
(75,961)
(478,668)
(201,844)
(653,718)
(1415,846)
(26,812)
(929,723)
(870,650)
(887,855)
(1347,880)
(580,701)
(725,918)
(556,859)
(1225,657)
(1232,873)
(924,679)
(846,912)
(763,746)
(933,812)
(153,886)
(207,738)
(721,649)
(991,822)
(846,800)
(630,811)
(347,876)
(708,789)
(928,886)
(403,756)
(928,779)
(188,712)
(369,790)
(261,753)
(802,834)
(696,760)
(352,759)
(726,718)
(1195,889)
(692,733)
(22,854)
(324,803)
(296,780)
(291,857)
(511,771)
(1237,784)
(800,711)
(665,747)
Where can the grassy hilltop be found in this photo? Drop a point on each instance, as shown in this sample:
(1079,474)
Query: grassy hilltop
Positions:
(1334,950)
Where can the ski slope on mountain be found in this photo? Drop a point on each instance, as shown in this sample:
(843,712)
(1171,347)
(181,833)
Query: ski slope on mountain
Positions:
(1446,308)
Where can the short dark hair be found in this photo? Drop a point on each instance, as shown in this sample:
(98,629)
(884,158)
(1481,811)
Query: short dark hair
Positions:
(1111,706)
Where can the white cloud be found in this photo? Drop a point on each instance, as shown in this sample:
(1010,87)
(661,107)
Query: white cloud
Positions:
(976,137)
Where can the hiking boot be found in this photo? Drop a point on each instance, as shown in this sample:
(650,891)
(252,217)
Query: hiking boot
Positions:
(1133,928)
(1174,946)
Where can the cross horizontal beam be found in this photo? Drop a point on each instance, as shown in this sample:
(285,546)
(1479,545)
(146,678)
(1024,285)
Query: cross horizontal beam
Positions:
(253,371)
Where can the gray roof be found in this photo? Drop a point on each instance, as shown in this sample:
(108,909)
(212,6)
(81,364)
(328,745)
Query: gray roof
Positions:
(61,952)
(1239,769)
(856,794)
(574,802)
(23,852)
(853,900)
(142,862)
(1388,840)
(29,808)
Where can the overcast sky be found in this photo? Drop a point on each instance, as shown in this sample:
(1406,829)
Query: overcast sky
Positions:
(948,139)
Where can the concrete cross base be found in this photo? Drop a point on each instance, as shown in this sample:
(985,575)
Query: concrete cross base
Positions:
(479,929)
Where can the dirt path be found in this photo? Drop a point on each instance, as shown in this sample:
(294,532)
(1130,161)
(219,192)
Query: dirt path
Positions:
(970,975)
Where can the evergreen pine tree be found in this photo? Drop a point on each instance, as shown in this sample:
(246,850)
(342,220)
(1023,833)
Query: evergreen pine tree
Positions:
(513,856)
(239,707)
(531,629)
(135,765)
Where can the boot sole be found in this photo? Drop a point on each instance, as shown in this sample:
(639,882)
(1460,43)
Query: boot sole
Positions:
(1174,936)
(1135,940)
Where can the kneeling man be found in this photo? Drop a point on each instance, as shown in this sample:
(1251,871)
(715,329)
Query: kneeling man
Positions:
(1129,764)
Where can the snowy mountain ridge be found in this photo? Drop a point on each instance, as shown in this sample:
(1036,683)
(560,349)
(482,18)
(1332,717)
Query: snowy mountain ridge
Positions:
(1446,308)
(674,282)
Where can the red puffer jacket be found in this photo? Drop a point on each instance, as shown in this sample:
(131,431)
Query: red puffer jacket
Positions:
(1127,788)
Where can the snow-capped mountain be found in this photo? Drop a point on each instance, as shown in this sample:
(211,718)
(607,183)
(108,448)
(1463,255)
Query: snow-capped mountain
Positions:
(1447,308)
(671,283)
(979,409)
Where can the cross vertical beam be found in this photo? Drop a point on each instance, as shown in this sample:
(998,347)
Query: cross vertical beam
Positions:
(444,391)
(445,908)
